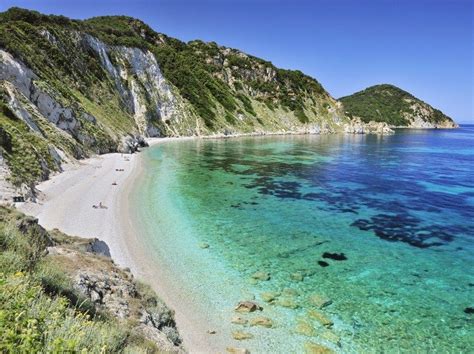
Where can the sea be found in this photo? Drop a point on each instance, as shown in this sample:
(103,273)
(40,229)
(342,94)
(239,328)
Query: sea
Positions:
(355,243)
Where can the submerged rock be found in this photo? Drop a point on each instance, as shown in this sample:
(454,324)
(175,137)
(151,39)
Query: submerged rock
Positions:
(203,245)
(287,302)
(247,306)
(239,335)
(305,328)
(264,276)
(233,350)
(330,337)
(239,320)
(323,264)
(313,348)
(268,296)
(261,321)
(335,256)
(290,292)
(297,276)
(319,301)
(320,317)
(469,310)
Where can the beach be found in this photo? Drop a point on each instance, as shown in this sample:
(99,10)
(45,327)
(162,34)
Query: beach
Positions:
(69,201)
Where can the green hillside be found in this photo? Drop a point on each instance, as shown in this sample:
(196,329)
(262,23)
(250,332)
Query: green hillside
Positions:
(390,104)
(71,88)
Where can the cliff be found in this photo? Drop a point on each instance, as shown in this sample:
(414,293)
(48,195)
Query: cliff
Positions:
(70,89)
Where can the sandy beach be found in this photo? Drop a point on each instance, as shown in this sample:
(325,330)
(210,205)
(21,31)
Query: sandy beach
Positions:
(66,202)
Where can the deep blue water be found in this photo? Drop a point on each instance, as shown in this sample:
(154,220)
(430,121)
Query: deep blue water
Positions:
(381,225)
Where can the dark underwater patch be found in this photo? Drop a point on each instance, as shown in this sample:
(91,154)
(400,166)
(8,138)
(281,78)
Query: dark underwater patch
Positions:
(405,228)
(469,310)
(323,264)
(335,256)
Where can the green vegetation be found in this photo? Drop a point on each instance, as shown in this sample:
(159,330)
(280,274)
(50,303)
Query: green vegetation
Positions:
(194,67)
(32,320)
(27,154)
(387,103)
(211,84)
(40,310)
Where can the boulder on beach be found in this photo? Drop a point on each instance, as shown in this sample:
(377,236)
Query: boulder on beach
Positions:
(261,321)
(247,306)
(239,335)
(319,301)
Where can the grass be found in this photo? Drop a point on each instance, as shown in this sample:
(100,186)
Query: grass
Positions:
(27,153)
(41,312)
(30,319)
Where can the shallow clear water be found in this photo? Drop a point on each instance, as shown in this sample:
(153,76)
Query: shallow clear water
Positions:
(400,208)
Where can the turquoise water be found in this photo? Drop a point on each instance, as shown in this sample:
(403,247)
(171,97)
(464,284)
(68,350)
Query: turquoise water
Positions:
(382,226)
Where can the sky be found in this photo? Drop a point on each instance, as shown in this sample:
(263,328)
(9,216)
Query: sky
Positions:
(422,46)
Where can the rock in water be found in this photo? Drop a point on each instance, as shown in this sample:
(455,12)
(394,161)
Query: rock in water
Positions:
(313,348)
(320,301)
(330,336)
(287,302)
(239,320)
(233,350)
(247,306)
(290,292)
(320,317)
(335,256)
(264,276)
(305,328)
(239,335)
(261,321)
(297,276)
(268,296)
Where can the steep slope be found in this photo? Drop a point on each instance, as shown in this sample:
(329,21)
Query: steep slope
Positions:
(64,294)
(70,88)
(390,104)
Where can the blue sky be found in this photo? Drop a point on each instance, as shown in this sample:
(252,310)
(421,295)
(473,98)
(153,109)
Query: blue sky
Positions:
(422,46)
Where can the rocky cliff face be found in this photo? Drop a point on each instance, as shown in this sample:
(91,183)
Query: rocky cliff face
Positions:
(395,107)
(69,89)
(114,291)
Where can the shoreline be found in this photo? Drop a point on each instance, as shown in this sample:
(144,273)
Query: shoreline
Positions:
(65,202)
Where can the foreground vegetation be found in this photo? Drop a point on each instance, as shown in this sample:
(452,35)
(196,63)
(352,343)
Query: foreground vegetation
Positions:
(40,310)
